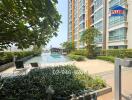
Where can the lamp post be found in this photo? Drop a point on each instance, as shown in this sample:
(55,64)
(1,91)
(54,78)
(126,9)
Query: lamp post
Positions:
(118,63)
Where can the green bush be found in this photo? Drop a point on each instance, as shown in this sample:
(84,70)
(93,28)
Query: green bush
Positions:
(76,57)
(6,57)
(121,53)
(106,58)
(80,52)
(65,80)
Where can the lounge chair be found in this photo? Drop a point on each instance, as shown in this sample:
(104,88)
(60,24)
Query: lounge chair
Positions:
(19,67)
(35,64)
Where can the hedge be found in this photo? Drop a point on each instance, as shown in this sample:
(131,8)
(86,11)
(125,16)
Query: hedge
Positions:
(106,58)
(76,57)
(80,52)
(6,57)
(64,80)
(121,53)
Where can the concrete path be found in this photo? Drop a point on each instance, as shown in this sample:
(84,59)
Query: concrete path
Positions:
(106,71)
(28,66)
(126,85)
(9,70)
(95,66)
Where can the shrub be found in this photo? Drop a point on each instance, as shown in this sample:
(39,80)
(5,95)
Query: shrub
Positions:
(106,58)
(80,52)
(122,53)
(64,80)
(6,57)
(76,57)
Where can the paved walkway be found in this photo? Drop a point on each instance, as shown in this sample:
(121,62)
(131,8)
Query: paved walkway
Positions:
(95,66)
(106,71)
(28,66)
(126,85)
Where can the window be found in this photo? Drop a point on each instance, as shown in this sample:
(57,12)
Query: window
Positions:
(99,38)
(99,26)
(118,47)
(98,15)
(117,20)
(114,2)
(82,18)
(118,35)
(98,3)
(82,26)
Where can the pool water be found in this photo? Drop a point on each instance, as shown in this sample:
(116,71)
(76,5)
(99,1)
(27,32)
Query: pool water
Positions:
(48,58)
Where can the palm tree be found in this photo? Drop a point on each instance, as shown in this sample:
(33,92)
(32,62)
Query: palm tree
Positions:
(88,39)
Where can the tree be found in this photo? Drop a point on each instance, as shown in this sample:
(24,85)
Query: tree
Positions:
(88,38)
(28,22)
(68,46)
(37,50)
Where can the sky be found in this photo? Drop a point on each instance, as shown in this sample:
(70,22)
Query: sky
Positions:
(62,8)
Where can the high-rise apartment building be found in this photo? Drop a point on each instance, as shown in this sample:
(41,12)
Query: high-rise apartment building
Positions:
(115,31)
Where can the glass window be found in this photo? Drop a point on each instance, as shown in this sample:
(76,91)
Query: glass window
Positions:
(82,26)
(98,15)
(99,38)
(98,3)
(99,26)
(118,35)
(116,20)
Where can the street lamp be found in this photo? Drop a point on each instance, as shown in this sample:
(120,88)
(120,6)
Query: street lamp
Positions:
(118,63)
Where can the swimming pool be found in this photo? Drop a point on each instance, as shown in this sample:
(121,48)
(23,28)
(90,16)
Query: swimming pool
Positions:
(48,58)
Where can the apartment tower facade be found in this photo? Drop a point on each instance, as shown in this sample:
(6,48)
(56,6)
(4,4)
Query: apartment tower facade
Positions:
(115,31)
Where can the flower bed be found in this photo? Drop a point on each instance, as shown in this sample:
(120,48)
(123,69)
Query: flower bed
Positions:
(64,81)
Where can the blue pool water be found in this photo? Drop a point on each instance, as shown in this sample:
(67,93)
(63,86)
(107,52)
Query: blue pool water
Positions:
(48,58)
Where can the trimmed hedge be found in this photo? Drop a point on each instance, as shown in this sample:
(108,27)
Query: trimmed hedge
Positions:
(121,53)
(76,57)
(6,57)
(106,58)
(65,80)
(80,52)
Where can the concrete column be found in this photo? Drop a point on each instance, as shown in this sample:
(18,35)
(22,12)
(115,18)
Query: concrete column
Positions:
(117,79)
(129,20)
(104,23)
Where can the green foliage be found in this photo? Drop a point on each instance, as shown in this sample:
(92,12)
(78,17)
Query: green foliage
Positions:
(121,53)
(37,50)
(65,80)
(76,57)
(6,57)
(80,52)
(28,22)
(88,38)
(68,46)
(106,58)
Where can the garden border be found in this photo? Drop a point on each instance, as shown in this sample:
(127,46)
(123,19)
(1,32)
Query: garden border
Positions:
(97,92)
(6,66)
(10,64)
